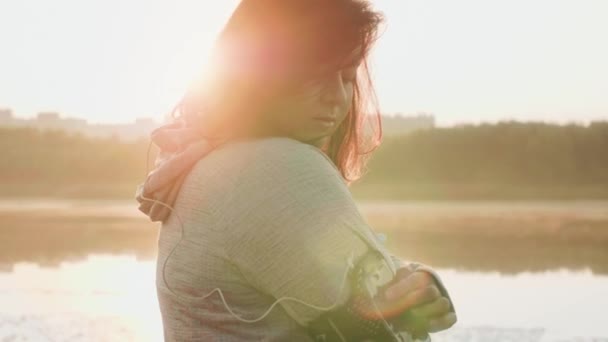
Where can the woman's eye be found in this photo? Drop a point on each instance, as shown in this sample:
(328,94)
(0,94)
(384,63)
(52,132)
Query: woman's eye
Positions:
(319,81)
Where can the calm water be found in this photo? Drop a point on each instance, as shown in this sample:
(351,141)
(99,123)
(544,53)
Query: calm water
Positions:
(85,271)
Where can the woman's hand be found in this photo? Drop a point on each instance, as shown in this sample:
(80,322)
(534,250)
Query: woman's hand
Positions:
(416,299)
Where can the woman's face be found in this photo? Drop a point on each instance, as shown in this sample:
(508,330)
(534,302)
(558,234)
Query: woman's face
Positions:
(314,109)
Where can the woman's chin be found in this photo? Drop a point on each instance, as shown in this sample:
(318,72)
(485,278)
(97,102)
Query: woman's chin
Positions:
(317,141)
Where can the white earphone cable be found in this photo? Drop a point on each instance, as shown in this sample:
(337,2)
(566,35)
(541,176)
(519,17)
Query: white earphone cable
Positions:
(350,265)
(349,261)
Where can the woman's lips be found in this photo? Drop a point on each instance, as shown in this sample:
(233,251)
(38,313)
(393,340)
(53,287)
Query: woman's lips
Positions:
(327,119)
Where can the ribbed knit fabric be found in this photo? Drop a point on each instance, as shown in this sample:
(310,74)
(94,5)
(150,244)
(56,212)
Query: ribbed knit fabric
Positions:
(261,220)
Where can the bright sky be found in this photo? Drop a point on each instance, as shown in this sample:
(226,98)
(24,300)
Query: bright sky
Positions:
(463,61)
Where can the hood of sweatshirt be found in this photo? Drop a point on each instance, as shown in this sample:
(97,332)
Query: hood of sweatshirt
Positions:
(181,144)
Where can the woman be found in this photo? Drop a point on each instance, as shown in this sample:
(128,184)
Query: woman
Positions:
(260,232)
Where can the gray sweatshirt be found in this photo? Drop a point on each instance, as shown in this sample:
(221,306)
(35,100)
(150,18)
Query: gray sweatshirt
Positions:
(260,220)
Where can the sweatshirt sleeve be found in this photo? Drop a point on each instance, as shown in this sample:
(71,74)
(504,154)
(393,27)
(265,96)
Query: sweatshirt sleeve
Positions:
(293,226)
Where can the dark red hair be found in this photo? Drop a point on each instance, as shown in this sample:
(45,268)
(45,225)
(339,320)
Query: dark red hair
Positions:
(268,46)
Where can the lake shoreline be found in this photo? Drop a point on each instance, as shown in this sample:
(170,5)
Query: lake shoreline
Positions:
(527,236)
(363,190)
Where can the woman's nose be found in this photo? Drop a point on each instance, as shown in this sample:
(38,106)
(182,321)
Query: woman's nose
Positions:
(334,91)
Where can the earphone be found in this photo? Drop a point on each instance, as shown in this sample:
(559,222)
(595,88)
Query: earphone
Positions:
(349,266)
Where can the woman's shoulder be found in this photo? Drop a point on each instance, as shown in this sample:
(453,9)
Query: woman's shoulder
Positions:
(271,146)
(262,163)
(274,152)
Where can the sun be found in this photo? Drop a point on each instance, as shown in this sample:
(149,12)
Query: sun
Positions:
(180,58)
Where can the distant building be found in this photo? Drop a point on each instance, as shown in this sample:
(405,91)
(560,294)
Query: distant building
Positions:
(45,117)
(141,128)
(6,116)
(7,119)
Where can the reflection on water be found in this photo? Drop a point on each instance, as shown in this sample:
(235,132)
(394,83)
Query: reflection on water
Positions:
(84,271)
(507,237)
(102,298)
(112,298)
(48,241)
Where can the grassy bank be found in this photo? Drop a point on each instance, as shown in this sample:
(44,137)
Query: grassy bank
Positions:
(119,190)
(464,191)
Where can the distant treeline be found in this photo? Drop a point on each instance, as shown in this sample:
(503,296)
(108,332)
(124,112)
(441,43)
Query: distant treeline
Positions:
(504,153)
(29,155)
(491,159)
